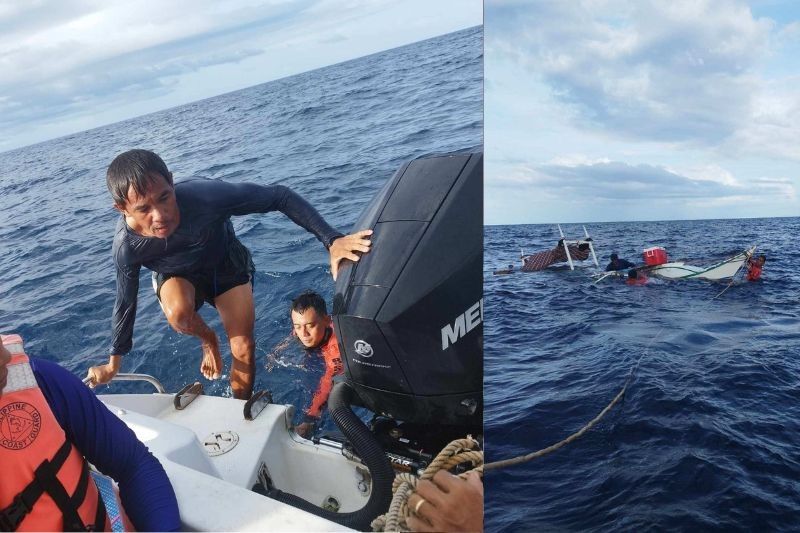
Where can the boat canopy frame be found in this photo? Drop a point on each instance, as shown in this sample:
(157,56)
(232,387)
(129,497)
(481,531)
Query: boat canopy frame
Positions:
(567,243)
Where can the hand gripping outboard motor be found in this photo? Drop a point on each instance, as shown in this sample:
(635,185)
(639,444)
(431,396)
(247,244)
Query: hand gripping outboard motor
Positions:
(409,320)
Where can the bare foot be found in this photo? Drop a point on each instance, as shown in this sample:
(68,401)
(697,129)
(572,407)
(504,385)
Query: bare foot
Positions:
(211,365)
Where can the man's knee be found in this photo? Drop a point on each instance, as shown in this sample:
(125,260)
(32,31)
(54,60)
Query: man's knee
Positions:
(243,348)
(180,318)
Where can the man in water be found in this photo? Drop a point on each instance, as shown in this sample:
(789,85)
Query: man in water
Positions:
(636,278)
(755,266)
(183,233)
(51,423)
(312,326)
(618,264)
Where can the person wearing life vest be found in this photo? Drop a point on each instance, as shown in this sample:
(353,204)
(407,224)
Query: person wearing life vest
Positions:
(313,327)
(755,266)
(51,428)
(636,278)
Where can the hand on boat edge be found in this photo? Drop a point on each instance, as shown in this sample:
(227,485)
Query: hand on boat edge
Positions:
(101,374)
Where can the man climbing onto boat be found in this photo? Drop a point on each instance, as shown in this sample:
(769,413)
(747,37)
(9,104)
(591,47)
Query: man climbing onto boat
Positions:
(754,267)
(51,427)
(183,233)
(618,264)
(312,326)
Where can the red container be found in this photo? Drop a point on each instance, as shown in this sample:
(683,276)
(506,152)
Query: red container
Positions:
(655,256)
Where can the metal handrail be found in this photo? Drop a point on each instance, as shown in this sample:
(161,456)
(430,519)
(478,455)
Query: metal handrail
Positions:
(134,377)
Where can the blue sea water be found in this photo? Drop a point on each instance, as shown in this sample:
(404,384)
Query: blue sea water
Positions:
(334,135)
(706,438)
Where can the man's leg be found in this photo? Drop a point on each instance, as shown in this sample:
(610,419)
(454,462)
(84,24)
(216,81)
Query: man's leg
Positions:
(177,302)
(238,312)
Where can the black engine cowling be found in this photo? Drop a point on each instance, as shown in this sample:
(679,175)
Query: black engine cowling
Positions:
(409,314)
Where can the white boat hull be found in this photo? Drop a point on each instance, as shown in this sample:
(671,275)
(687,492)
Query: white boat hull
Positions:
(719,271)
(214,492)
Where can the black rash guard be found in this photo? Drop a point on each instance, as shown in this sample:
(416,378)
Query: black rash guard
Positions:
(201,240)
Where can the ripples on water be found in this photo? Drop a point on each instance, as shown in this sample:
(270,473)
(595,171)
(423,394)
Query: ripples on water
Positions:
(707,435)
(334,135)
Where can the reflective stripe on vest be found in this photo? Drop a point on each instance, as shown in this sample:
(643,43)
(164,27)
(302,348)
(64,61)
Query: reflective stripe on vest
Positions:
(32,447)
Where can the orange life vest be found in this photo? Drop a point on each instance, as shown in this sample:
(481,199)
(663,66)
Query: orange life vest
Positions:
(753,272)
(46,483)
(333,367)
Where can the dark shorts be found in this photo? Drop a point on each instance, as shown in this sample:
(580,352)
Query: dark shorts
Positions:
(237,269)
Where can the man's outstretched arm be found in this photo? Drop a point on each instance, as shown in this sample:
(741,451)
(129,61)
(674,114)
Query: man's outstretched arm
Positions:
(122,319)
(246,198)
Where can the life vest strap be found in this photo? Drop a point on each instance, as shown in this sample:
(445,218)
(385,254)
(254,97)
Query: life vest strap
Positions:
(45,475)
(83,484)
(108,501)
(44,480)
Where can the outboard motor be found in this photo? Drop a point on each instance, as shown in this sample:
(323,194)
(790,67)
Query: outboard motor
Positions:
(409,320)
(409,314)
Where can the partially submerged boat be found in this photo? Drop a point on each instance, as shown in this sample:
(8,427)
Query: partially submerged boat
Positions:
(409,320)
(679,270)
(566,251)
(725,269)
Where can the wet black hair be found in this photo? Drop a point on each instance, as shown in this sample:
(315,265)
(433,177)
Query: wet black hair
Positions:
(135,168)
(632,274)
(310,300)
(613,256)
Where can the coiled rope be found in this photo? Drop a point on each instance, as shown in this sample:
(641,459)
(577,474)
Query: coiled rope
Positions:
(457,452)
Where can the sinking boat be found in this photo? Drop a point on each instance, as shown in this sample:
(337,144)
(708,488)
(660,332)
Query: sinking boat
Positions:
(566,251)
(409,319)
(679,270)
(721,270)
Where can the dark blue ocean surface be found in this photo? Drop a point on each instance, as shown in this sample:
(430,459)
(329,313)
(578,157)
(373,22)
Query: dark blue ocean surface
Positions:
(333,135)
(706,438)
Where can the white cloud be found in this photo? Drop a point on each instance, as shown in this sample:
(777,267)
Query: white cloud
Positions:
(596,104)
(614,180)
(65,62)
(674,71)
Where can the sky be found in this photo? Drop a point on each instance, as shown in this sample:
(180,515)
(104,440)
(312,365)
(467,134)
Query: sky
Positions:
(609,110)
(72,65)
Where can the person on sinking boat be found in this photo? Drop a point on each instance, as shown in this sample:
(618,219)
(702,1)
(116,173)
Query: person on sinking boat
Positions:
(312,326)
(51,427)
(183,233)
(636,278)
(618,264)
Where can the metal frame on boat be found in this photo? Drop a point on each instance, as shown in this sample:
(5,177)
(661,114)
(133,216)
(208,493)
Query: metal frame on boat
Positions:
(566,244)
